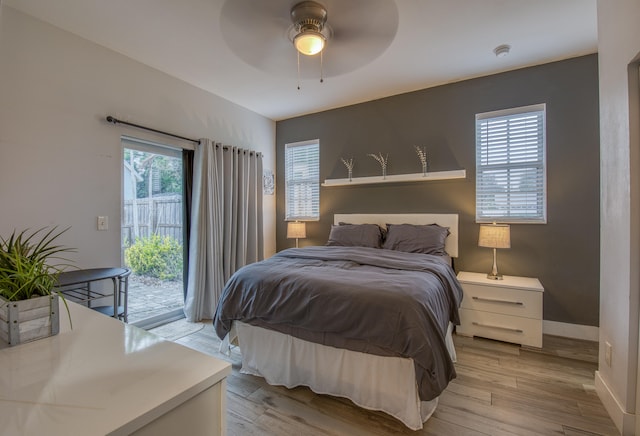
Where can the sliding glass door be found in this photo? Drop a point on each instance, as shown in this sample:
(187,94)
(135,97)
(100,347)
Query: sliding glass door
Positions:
(152,231)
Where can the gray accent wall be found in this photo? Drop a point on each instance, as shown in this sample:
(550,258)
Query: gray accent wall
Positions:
(563,253)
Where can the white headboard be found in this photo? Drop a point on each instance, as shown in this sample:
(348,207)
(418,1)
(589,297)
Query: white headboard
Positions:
(444,220)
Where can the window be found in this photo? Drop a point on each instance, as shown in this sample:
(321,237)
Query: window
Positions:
(302,180)
(510,166)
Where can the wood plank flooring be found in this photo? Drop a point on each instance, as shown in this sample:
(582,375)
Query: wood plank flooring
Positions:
(501,389)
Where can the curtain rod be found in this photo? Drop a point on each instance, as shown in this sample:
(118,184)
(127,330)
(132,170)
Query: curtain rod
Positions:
(113,120)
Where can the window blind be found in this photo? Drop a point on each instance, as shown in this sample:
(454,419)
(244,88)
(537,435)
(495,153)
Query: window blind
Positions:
(302,180)
(510,165)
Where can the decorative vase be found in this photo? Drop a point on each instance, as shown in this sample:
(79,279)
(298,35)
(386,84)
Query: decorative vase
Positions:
(28,320)
(422,156)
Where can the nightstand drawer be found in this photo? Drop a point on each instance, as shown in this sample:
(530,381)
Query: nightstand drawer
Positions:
(506,301)
(525,331)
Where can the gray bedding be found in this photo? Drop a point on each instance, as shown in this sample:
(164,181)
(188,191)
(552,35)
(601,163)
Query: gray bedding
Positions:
(372,300)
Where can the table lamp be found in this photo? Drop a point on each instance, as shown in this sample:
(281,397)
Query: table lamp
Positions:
(494,236)
(296,229)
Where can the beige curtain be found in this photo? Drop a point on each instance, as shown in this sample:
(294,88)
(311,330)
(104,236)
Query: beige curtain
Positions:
(226,222)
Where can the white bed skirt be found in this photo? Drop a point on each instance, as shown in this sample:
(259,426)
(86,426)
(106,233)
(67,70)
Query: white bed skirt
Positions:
(373,382)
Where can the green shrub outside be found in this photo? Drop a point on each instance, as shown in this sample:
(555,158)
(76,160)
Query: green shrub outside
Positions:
(156,256)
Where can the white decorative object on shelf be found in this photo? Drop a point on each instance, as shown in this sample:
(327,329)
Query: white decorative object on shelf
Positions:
(419,177)
(382,160)
(349,165)
(422,155)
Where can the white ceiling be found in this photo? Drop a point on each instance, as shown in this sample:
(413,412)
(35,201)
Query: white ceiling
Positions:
(437,42)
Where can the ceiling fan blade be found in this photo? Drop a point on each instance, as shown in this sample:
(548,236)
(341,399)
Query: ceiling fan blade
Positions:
(258,33)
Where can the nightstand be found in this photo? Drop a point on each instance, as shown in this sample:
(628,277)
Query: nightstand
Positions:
(508,310)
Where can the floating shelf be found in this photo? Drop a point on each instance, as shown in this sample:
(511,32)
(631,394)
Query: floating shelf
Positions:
(394,178)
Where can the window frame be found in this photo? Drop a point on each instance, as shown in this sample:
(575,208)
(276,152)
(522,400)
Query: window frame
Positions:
(312,181)
(508,213)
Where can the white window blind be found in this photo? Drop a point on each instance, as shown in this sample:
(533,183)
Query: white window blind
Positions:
(302,180)
(510,166)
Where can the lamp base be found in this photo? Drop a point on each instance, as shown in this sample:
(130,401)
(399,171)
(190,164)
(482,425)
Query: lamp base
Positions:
(493,275)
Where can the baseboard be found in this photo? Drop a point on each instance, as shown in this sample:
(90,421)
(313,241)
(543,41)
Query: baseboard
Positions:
(625,422)
(575,331)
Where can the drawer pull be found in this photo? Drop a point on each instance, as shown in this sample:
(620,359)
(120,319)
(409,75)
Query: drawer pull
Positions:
(496,300)
(497,327)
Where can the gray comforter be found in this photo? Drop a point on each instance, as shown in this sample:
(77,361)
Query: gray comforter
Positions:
(372,300)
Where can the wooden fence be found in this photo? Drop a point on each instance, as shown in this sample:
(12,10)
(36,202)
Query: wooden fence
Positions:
(156,215)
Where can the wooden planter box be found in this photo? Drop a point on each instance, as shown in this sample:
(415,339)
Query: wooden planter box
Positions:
(28,320)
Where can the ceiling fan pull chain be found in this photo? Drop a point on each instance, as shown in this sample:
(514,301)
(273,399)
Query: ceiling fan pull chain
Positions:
(298,70)
(321,78)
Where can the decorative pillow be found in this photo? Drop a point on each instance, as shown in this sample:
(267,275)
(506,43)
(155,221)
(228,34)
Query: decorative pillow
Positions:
(428,239)
(383,231)
(355,235)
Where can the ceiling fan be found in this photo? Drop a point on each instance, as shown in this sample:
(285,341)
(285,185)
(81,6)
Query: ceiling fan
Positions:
(309,33)
(269,34)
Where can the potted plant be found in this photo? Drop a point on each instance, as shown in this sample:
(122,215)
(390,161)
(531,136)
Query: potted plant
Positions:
(28,305)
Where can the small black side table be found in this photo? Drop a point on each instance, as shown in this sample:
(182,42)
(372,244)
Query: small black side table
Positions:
(77,286)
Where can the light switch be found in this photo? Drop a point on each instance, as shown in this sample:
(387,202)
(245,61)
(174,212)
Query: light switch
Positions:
(103,223)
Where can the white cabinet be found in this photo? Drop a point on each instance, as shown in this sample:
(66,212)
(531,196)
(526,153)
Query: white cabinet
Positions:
(508,310)
(107,377)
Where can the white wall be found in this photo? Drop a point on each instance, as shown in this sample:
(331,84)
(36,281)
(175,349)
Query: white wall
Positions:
(618,49)
(60,162)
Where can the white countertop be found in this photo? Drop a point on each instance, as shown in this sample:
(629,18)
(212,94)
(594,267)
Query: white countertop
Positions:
(102,377)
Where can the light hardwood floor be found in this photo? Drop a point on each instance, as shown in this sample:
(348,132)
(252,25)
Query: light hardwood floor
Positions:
(501,389)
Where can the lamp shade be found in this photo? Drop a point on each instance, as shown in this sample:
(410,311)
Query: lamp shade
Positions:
(494,236)
(309,42)
(296,229)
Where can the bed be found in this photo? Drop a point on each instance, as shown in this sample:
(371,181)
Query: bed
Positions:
(372,324)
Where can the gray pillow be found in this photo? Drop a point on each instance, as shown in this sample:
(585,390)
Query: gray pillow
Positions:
(428,239)
(355,235)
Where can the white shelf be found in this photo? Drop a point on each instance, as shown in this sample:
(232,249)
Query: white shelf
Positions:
(394,178)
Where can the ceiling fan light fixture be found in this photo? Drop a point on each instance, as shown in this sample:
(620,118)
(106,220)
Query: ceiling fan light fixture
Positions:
(308,19)
(309,42)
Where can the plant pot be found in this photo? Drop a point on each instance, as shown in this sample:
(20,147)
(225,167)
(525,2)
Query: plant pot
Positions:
(28,320)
